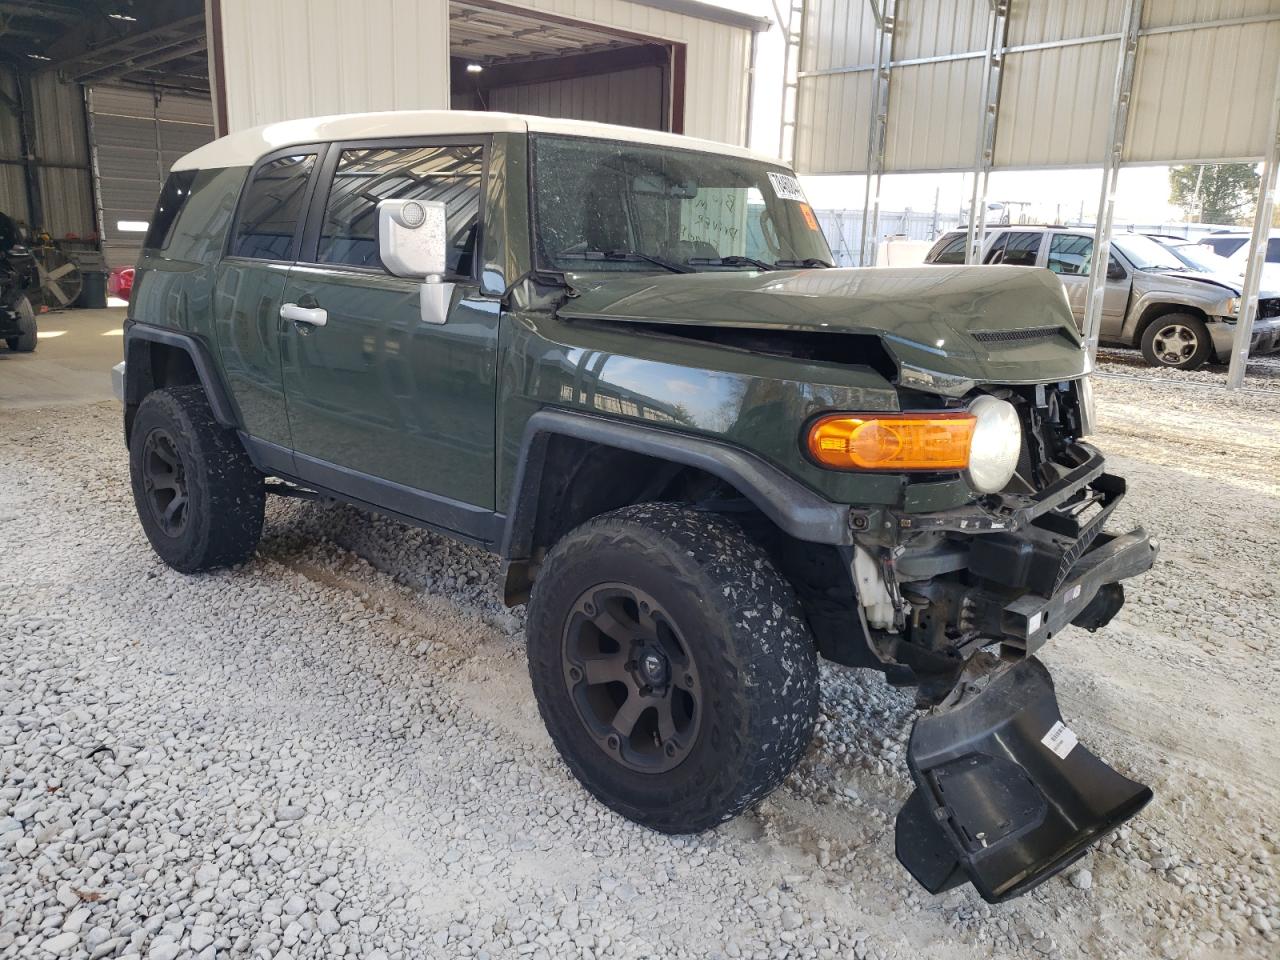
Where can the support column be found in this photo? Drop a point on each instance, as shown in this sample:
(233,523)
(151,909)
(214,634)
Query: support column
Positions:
(793,28)
(883,11)
(993,75)
(1257,247)
(1111,161)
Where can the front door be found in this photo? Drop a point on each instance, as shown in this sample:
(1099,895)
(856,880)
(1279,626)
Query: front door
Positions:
(1069,257)
(250,286)
(383,405)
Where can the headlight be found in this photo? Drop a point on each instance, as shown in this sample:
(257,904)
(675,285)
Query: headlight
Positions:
(983,442)
(996,444)
(1233,307)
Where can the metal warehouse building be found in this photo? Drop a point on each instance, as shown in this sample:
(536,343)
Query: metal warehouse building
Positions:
(89,129)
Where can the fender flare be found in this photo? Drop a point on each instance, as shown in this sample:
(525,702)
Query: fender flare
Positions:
(794,507)
(136,334)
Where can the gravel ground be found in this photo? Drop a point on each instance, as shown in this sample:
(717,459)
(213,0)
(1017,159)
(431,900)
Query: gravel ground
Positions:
(333,751)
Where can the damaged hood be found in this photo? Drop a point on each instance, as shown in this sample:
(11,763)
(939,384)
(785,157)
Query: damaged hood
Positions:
(945,326)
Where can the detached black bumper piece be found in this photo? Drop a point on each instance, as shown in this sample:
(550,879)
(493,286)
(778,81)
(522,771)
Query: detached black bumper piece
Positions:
(1005,797)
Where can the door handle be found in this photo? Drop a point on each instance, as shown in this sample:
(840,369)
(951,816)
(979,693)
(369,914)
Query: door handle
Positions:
(313,316)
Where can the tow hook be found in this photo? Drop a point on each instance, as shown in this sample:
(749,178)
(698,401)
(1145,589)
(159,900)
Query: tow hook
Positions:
(1005,796)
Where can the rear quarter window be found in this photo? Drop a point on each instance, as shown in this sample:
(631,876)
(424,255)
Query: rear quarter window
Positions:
(173,197)
(201,229)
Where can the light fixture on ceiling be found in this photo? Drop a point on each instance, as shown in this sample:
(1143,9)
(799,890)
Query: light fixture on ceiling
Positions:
(38,56)
(474,68)
(123,16)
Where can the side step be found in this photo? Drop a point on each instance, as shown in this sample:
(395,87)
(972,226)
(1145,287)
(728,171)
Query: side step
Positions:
(1005,797)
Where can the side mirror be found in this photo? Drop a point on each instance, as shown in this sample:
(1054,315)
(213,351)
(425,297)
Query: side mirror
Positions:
(413,237)
(1115,271)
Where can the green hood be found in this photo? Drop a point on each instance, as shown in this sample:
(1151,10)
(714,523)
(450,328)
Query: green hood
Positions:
(945,326)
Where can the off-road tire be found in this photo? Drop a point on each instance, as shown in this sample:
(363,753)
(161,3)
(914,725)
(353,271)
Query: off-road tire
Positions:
(1157,333)
(225,497)
(26,339)
(755,656)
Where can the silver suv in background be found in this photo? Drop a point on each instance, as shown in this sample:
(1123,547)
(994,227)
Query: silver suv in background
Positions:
(1176,316)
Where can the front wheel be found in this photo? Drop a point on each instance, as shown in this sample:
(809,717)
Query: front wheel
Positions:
(25,341)
(671,665)
(1178,340)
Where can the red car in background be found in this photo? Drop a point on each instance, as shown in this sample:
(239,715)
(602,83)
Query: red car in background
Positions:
(120,283)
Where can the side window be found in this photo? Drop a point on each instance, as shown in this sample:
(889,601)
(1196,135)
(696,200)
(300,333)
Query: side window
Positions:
(1273,250)
(996,253)
(448,174)
(172,199)
(201,228)
(1069,254)
(952,251)
(271,208)
(1022,249)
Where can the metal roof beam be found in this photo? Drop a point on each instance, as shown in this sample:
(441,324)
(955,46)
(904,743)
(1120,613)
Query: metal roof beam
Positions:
(167,55)
(130,46)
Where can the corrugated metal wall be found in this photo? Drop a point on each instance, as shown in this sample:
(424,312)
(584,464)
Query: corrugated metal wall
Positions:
(13,184)
(286,59)
(60,142)
(136,138)
(717,67)
(1199,94)
(633,98)
(298,58)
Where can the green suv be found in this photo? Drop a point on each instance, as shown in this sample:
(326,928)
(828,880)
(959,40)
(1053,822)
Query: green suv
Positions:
(621,360)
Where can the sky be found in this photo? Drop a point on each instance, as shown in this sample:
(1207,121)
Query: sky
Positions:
(1142,197)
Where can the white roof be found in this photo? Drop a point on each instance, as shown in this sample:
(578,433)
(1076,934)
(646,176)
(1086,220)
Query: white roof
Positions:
(242,149)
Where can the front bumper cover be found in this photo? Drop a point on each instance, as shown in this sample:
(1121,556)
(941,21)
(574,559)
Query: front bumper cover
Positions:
(1005,797)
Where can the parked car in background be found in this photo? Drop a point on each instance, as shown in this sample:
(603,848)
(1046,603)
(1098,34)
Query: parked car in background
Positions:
(1177,316)
(1237,262)
(120,283)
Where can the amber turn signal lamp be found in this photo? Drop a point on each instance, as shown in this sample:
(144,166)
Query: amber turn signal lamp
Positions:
(900,441)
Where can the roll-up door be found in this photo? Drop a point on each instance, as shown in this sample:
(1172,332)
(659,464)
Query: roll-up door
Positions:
(135,136)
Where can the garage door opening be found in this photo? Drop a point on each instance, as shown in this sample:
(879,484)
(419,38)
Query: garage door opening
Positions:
(516,60)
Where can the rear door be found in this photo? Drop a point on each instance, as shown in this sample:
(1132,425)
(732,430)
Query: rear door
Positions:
(250,286)
(1069,257)
(384,406)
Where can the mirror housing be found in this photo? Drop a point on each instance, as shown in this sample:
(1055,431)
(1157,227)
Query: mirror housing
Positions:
(413,237)
(1115,271)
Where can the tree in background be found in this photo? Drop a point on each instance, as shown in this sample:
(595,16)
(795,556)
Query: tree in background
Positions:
(1214,192)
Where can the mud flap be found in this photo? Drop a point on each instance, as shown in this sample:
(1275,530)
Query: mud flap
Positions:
(1005,797)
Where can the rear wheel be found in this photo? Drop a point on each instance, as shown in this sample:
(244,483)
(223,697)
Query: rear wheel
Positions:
(1178,340)
(671,665)
(25,341)
(199,499)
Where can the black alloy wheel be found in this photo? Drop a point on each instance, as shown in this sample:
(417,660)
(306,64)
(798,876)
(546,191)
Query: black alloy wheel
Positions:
(164,480)
(632,678)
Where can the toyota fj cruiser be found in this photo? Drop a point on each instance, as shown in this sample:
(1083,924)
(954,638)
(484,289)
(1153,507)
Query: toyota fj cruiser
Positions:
(620,360)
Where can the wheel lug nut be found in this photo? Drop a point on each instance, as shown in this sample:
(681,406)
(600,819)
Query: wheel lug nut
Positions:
(613,741)
(575,674)
(670,749)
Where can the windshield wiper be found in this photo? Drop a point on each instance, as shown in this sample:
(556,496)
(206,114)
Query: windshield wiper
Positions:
(628,255)
(806,262)
(730,261)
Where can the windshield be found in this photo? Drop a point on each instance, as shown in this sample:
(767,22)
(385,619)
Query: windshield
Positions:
(1199,257)
(1145,254)
(607,205)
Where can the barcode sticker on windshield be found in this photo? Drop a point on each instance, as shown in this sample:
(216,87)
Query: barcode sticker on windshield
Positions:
(786,187)
(1060,740)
